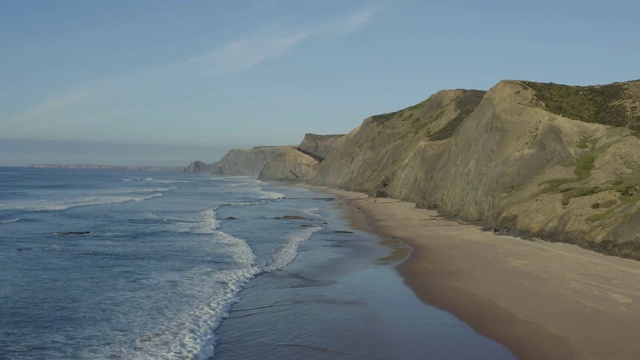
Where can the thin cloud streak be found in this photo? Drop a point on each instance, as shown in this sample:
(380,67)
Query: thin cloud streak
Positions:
(228,59)
(361,18)
(246,53)
(50,106)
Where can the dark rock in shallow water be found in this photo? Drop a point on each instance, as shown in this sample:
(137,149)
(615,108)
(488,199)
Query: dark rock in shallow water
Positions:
(72,233)
(231,218)
(293,217)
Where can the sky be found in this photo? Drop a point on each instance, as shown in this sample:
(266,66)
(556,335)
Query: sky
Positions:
(192,79)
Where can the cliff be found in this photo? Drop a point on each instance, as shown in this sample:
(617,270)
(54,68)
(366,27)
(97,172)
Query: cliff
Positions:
(239,162)
(320,145)
(544,160)
(198,167)
(290,165)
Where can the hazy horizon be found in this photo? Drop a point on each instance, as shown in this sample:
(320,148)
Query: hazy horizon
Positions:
(29,152)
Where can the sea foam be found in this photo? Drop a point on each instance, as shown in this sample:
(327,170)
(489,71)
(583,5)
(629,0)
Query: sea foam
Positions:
(9,221)
(44,205)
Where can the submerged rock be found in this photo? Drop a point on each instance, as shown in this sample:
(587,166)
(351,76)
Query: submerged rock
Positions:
(293,217)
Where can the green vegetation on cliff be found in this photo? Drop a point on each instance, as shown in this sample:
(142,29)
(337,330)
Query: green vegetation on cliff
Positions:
(465,104)
(604,104)
(511,164)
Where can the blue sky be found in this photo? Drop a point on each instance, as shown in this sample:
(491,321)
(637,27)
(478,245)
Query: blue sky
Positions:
(218,74)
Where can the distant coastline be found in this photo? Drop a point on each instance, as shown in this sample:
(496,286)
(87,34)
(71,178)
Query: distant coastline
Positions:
(108,167)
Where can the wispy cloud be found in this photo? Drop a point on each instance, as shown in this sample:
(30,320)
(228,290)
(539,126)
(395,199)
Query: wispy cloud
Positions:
(50,106)
(236,56)
(361,18)
(245,53)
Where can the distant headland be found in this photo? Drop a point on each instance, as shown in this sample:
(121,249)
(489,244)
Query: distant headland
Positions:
(108,167)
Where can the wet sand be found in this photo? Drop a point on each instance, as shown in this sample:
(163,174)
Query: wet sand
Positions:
(342,299)
(542,300)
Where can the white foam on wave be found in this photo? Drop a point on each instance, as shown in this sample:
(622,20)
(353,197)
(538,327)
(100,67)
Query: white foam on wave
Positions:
(9,221)
(172,181)
(135,191)
(237,249)
(289,250)
(312,213)
(270,195)
(191,335)
(245,203)
(241,184)
(137,179)
(206,222)
(44,205)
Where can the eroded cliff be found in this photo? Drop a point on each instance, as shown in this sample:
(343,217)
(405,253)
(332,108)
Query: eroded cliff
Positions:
(552,161)
(290,165)
(504,159)
(246,162)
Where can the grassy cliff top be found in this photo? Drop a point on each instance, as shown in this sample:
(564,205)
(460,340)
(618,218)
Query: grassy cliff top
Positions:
(429,116)
(616,104)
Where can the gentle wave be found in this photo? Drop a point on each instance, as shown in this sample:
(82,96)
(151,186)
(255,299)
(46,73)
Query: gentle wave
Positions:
(43,205)
(237,249)
(194,330)
(172,181)
(9,221)
(312,213)
(134,190)
(206,222)
(270,194)
(289,250)
(136,179)
(192,336)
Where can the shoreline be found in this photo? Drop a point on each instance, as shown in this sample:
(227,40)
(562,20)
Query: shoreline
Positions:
(542,300)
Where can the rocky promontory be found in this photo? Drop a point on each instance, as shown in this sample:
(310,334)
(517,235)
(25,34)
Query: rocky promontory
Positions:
(557,162)
(242,162)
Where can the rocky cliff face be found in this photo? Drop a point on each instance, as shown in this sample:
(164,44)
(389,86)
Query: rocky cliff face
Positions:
(320,145)
(198,167)
(247,162)
(552,161)
(290,165)
(513,158)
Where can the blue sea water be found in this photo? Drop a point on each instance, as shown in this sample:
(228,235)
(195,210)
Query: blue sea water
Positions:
(160,261)
(155,274)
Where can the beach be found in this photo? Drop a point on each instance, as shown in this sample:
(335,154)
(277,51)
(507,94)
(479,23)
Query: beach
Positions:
(342,298)
(541,300)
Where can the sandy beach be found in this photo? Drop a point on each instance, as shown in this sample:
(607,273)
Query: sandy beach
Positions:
(542,300)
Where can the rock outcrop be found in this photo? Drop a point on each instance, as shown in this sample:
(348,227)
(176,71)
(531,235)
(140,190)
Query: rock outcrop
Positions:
(320,145)
(198,167)
(247,162)
(290,165)
(544,160)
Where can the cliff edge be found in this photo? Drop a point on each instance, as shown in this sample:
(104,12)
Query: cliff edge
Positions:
(534,159)
(552,161)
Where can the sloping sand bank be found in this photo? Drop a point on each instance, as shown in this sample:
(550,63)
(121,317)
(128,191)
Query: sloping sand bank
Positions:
(542,300)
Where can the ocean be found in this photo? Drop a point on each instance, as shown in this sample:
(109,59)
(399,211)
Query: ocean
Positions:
(105,264)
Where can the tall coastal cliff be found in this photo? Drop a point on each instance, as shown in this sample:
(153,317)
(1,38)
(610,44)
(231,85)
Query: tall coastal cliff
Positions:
(552,161)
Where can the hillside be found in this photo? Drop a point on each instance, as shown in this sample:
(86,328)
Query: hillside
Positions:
(539,160)
(239,162)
